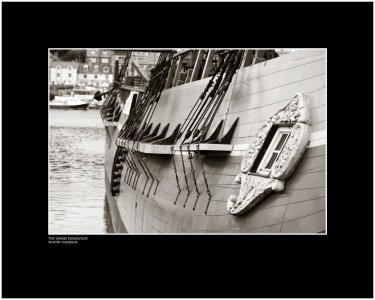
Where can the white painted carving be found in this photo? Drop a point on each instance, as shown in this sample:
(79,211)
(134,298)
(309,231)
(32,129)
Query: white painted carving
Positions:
(292,152)
(297,110)
(253,149)
(253,189)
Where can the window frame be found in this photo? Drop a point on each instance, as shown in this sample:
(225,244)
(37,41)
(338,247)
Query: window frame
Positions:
(262,168)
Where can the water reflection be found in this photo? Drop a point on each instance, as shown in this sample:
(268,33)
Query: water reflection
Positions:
(76,173)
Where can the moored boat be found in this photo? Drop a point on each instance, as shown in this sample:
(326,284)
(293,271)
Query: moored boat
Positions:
(65,102)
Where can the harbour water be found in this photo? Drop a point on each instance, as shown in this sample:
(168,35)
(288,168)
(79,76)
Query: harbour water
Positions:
(76,173)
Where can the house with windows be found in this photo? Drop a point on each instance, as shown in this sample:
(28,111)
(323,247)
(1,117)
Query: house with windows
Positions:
(99,57)
(95,75)
(97,71)
(63,72)
(146,61)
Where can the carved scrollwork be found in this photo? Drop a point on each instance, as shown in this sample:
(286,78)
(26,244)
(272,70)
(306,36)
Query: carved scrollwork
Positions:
(292,152)
(254,187)
(297,110)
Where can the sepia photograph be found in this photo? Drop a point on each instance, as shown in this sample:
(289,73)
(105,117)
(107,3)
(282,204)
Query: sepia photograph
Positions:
(182,139)
(187,141)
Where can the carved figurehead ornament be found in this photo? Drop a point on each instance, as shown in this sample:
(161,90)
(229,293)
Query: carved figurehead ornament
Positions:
(259,179)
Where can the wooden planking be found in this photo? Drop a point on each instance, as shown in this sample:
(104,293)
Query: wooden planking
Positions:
(275,199)
(309,164)
(305,208)
(316,151)
(311,168)
(312,223)
(307,180)
(281,64)
(249,114)
(319,126)
(306,194)
(188,92)
(278,80)
(256,108)
(116,218)
(257,218)
(260,107)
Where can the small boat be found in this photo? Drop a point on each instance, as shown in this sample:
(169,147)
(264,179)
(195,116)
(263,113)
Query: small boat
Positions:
(94,104)
(66,102)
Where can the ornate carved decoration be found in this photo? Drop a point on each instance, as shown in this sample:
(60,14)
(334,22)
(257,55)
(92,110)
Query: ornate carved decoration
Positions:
(292,152)
(297,110)
(255,187)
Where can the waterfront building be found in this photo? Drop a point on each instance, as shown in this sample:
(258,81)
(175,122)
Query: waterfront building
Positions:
(96,75)
(146,61)
(97,71)
(62,72)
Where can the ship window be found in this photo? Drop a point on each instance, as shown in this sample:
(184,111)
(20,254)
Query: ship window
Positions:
(274,148)
(84,76)
(70,67)
(69,75)
(105,69)
(96,76)
(85,68)
(58,74)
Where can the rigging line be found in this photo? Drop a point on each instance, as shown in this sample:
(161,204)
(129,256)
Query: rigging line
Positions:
(148,111)
(211,95)
(130,168)
(205,100)
(142,162)
(223,90)
(190,157)
(175,171)
(201,98)
(183,167)
(216,93)
(141,107)
(230,101)
(157,97)
(205,179)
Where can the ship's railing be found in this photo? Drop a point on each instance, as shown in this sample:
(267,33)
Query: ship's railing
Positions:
(196,64)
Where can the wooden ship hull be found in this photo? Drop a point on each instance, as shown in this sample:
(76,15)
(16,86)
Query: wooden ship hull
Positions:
(257,91)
